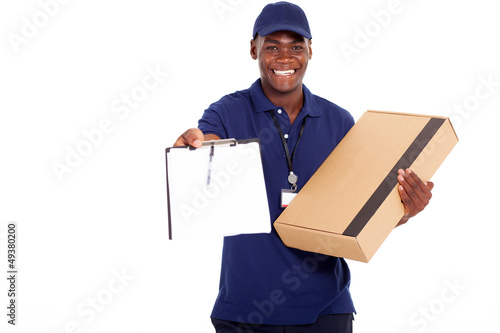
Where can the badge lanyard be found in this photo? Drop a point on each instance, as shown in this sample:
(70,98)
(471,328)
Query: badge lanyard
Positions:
(292,177)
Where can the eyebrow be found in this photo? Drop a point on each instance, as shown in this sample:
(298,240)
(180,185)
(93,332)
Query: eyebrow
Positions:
(275,41)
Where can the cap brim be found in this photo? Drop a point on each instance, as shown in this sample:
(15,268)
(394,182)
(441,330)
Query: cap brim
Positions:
(283,27)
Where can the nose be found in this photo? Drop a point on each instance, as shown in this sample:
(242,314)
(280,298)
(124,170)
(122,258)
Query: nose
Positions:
(284,56)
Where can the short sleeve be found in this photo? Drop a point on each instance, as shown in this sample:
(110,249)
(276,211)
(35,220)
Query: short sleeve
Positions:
(211,123)
(348,123)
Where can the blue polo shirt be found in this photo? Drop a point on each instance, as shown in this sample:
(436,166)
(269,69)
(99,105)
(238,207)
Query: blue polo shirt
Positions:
(262,281)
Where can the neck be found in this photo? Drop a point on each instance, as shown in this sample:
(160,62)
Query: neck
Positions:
(291,101)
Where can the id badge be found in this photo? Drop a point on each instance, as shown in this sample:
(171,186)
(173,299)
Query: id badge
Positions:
(287,196)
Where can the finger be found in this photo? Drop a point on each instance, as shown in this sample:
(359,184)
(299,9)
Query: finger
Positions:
(192,137)
(425,187)
(422,185)
(413,200)
(405,184)
(407,201)
(430,185)
(417,190)
(180,142)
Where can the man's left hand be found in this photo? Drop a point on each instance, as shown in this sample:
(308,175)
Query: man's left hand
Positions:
(414,192)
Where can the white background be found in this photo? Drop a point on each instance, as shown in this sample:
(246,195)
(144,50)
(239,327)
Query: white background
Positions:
(106,216)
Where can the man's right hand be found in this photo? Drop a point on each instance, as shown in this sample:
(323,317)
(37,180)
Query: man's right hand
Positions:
(193,137)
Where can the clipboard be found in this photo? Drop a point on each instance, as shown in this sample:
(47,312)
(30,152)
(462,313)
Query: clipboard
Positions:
(216,190)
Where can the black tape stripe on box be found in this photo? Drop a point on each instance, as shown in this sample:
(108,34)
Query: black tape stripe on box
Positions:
(383,190)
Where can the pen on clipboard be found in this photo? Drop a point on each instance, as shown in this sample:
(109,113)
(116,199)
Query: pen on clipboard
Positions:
(210,163)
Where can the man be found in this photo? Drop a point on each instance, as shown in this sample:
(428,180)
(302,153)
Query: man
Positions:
(264,285)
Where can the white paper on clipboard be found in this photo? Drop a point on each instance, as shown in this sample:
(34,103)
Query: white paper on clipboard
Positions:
(216,190)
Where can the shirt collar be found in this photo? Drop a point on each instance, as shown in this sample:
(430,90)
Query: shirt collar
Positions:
(261,103)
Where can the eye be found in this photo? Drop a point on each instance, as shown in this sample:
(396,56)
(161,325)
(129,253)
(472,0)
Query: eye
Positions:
(272,48)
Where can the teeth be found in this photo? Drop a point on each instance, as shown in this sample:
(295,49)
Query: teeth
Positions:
(289,72)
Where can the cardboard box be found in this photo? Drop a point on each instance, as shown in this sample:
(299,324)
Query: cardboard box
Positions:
(351,204)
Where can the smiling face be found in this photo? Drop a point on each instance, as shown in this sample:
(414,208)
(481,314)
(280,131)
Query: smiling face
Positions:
(283,57)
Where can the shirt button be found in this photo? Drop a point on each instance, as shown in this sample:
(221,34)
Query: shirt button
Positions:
(286,136)
(279,111)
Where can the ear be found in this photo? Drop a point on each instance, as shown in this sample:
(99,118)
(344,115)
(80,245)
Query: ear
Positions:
(253,49)
(310,49)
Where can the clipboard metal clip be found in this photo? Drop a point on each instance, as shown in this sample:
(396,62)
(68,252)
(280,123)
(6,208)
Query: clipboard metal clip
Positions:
(222,142)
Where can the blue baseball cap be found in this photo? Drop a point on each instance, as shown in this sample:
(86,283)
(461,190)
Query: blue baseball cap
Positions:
(282,16)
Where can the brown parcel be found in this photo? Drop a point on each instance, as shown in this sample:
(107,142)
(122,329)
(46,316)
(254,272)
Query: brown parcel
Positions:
(351,204)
